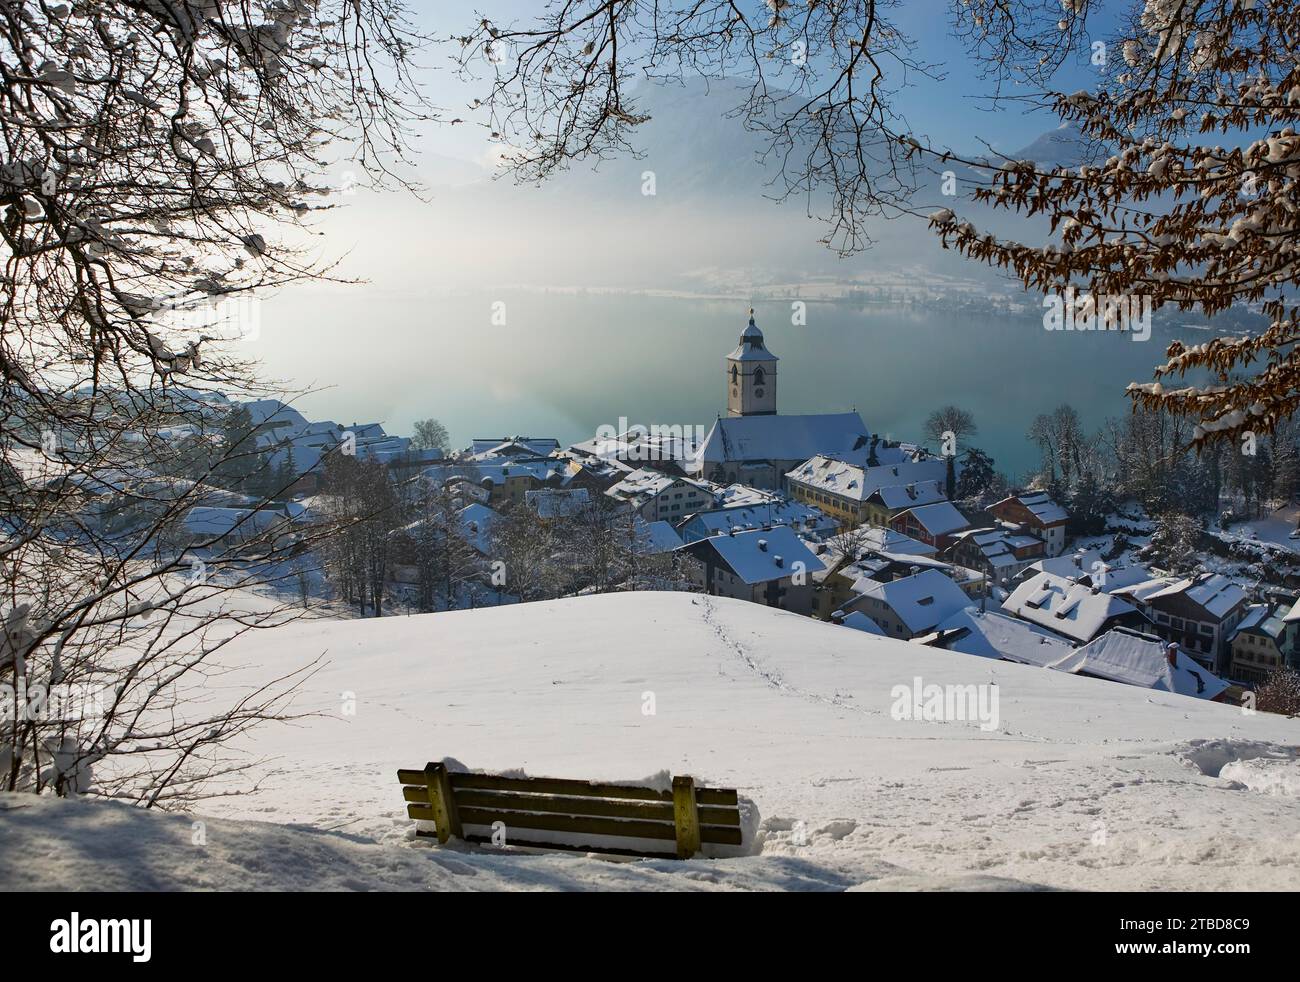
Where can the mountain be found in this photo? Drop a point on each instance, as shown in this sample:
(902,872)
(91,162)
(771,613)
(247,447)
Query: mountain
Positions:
(1065,146)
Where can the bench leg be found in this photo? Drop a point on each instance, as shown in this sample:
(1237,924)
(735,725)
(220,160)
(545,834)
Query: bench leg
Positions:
(442,801)
(686,817)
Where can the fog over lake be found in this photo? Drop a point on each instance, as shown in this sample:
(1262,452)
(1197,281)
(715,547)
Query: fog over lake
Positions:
(566,363)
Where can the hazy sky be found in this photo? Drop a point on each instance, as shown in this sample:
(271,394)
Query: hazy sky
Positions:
(475,242)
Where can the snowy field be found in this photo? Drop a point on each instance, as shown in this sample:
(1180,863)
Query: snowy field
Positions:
(1082,784)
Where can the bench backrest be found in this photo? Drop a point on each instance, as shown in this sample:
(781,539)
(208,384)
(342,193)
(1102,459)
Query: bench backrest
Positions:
(550,813)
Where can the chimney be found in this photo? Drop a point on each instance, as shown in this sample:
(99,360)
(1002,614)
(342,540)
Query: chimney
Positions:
(779,562)
(762,545)
(914,570)
(1171,655)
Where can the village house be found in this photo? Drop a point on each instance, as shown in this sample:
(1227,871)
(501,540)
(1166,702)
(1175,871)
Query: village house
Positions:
(771,567)
(656,496)
(935,524)
(1198,612)
(1074,610)
(990,634)
(842,580)
(1041,515)
(843,489)
(1000,553)
(505,479)
(908,607)
(476,523)
(1257,644)
(1137,658)
(487,448)
(887,540)
(885,504)
(777,511)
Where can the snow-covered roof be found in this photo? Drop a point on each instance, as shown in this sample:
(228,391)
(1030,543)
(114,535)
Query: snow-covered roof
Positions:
(998,545)
(557,502)
(1081,562)
(274,413)
(776,512)
(476,522)
(678,444)
(878,538)
(645,484)
(1293,614)
(1041,506)
(910,495)
(861,622)
(778,437)
(1123,576)
(496,471)
(940,518)
(501,445)
(1133,658)
(1213,591)
(1261,619)
(990,634)
(769,554)
(1065,606)
(652,538)
(829,474)
(920,601)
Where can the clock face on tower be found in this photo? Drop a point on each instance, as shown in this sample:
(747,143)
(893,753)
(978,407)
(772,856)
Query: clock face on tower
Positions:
(758,393)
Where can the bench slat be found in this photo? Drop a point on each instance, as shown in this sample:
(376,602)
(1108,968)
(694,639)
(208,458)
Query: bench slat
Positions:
(651,810)
(558,786)
(565,847)
(717,796)
(633,828)
(720,836)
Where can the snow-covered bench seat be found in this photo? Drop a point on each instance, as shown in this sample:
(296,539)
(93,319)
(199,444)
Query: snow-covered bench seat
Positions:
(549,813)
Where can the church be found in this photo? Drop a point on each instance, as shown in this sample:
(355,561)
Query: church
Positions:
(754,444)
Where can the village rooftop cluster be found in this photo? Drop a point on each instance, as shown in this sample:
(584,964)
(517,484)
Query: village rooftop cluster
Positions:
(815,515)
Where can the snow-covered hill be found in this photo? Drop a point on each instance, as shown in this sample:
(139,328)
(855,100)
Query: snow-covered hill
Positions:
(1083,783)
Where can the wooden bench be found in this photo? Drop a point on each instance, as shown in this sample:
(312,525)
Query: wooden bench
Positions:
(579,816)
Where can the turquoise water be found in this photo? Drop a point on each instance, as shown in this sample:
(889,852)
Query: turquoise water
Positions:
(564,364)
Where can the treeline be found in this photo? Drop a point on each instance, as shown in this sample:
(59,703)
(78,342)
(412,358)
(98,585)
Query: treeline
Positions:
(417,543)
(1146,456)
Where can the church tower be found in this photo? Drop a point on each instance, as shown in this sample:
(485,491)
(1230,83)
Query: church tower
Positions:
(751,375)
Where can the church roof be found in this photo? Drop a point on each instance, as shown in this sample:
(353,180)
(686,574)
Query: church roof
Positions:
(738,438)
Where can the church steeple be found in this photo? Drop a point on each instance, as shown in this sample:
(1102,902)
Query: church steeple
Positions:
(751,375)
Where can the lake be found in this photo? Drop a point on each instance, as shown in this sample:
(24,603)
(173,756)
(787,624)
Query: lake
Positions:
(565,363)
